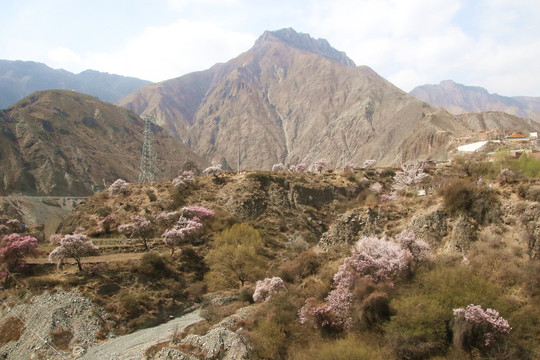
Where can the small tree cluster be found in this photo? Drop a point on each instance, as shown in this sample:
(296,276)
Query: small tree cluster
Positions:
(14,248)
(118,187)
(186,178)
(188,225)
(278,167)
(418,249)
(74,246)
(194,211)
(485,326)
(264,289)
(140,229)
(182,232)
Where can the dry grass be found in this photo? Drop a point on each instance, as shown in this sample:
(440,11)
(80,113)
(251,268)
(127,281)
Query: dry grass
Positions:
(61,338)
(11,330)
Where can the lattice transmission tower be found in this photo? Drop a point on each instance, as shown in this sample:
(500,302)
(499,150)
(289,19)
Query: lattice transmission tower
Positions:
(147,157)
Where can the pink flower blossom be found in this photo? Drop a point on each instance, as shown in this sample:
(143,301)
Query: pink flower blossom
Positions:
(264,289)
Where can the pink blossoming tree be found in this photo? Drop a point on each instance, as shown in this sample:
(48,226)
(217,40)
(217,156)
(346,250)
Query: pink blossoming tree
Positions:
(476,327)
(182,232)
(14,248)
(265,289)
(74,246)
(372,258)
(139,229)
(118,187)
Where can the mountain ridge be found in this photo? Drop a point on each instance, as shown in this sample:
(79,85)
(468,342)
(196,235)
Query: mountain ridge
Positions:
(60,142)
(279,103)
(19,79)
(459,99)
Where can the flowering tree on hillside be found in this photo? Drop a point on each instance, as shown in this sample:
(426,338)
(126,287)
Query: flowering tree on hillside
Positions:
(139,229)
(411,174)
(278,167)
(479,328)
(372,258)
(186,178)
(74,246)
(194,211)
(14,248)
(182,232)
(299,168)
(264,289)
(320,165)
(118,187)
(213,170)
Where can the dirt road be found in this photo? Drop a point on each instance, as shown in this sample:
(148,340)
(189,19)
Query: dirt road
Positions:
(133,346)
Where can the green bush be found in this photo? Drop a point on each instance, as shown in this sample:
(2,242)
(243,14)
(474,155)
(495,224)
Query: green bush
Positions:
(153,265)
(463,197)
(418,330)
(269,342)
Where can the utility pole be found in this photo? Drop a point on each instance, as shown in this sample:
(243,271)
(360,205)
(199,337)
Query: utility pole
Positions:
(147,157)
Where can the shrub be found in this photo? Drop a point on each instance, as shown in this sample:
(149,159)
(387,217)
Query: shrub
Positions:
(270,340)
(418,330)
(305,264)
(462,196)
(153,265)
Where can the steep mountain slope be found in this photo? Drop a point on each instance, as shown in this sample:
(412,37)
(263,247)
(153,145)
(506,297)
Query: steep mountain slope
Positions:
(459,99)
(21,78)
(294,99)
(61,142)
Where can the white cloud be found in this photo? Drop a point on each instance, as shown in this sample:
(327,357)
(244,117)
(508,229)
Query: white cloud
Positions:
(165,52)
(487,43)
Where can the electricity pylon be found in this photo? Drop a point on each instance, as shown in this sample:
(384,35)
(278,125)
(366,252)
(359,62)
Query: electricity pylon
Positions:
(147,157)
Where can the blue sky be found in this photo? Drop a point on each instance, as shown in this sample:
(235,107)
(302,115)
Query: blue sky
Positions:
(489,43)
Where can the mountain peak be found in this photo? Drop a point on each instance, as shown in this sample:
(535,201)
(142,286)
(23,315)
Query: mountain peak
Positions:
(305,42)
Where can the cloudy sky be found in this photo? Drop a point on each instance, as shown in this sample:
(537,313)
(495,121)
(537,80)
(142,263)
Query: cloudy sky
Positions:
(489,43)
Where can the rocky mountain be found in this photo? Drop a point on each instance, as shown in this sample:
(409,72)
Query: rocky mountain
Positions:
(292,99)
(459,99)
(61,142)
(19,79)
